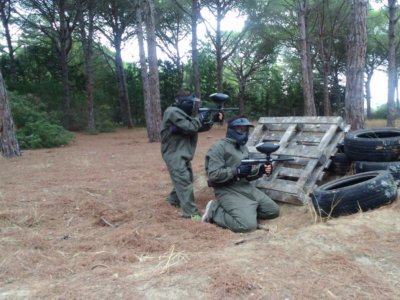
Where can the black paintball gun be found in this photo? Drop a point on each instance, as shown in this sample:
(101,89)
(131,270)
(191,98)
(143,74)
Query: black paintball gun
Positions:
(267,149)
(209,115)
(219,99)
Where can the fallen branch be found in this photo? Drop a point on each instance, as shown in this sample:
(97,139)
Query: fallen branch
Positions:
(108,223)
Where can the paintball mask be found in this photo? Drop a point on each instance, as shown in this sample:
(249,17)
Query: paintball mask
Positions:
(189,104)
(238,129)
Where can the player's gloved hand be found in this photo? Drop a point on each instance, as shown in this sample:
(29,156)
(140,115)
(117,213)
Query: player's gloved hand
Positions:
(204,117)
(242,170)
(173,129)
(206,122)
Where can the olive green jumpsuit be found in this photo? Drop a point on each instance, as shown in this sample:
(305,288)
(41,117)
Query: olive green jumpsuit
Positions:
(178,145)
(239,203)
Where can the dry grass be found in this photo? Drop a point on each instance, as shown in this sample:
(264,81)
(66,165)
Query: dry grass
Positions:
(377,123)
(90,221)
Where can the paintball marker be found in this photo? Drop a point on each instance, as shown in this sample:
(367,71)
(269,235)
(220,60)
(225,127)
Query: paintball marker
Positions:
(267,149)
(219,99)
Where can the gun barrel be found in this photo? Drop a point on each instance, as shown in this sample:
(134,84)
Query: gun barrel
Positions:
(249,161)
(283,159)
(230,108)
(216,109)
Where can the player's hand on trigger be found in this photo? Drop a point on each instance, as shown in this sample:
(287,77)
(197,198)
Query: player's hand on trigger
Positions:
(268,169)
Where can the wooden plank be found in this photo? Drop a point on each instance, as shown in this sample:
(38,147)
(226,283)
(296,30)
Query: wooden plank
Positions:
(283,197)
(255,136)
(286,186)
(312,128)
(272,137)
(307,173)
(289,172)
(292,129)
(327,137)
(309,120)
(299,151)
(297,139)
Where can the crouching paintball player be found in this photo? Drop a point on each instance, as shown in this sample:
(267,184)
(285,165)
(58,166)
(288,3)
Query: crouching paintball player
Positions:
(238,203)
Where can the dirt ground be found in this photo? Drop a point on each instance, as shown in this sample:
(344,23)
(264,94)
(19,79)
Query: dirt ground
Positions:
(90,221)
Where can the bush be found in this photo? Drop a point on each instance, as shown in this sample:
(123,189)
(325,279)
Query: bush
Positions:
(380,112)
(104,117)
(34,128)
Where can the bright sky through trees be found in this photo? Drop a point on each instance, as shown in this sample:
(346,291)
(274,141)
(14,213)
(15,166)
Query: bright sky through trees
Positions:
(234,22)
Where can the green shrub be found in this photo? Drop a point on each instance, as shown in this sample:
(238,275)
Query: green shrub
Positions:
(380,112)
(106,126)
(34,128)
(104,119)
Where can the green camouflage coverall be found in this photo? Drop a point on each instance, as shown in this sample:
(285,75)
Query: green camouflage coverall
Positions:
(239,203)
(178,145)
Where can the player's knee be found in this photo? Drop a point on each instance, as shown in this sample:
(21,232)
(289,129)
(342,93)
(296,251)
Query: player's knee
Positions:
(246,226)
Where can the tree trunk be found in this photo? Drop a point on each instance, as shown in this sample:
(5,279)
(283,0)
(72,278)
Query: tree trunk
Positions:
(368,93)
(66,92)
(305,57)
(218,50)
(5,14)
(357,45)
(336,92)
(8,139)
(195,57)
(392,74)
(242,91)
(87,45)
(154,83)
(144,75)
(65,47)
(122,88)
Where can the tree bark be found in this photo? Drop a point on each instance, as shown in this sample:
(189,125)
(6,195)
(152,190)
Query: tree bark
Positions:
(305,58)
(122,86)
(65,82)
(154,83)
(8,138)
(195,56)
(357,44)
(368,93)
(5,14)
(218,50)
(87,45)
(144,75)
(392,70)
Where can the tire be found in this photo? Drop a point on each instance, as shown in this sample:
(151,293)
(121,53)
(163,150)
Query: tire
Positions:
(353,193)
(340,164)
(374,144)
(365,166)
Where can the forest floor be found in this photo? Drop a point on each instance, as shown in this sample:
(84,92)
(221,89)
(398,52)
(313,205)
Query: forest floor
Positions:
(90,221)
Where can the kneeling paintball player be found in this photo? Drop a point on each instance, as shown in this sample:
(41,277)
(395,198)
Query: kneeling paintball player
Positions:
(238,203)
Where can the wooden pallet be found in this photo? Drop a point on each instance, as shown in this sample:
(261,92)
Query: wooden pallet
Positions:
(310,141)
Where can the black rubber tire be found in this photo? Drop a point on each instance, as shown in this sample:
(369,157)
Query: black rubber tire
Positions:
(340,164)
(373,144)
(353,193)
(365,166)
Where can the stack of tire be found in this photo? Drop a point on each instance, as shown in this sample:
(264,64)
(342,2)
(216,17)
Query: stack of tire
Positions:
(375,159)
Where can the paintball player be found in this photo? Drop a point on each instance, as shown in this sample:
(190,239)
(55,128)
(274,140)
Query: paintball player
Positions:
(179,132)
(239,204)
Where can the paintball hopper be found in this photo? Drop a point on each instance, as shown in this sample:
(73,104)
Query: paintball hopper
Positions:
(267,148)
(219,98)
